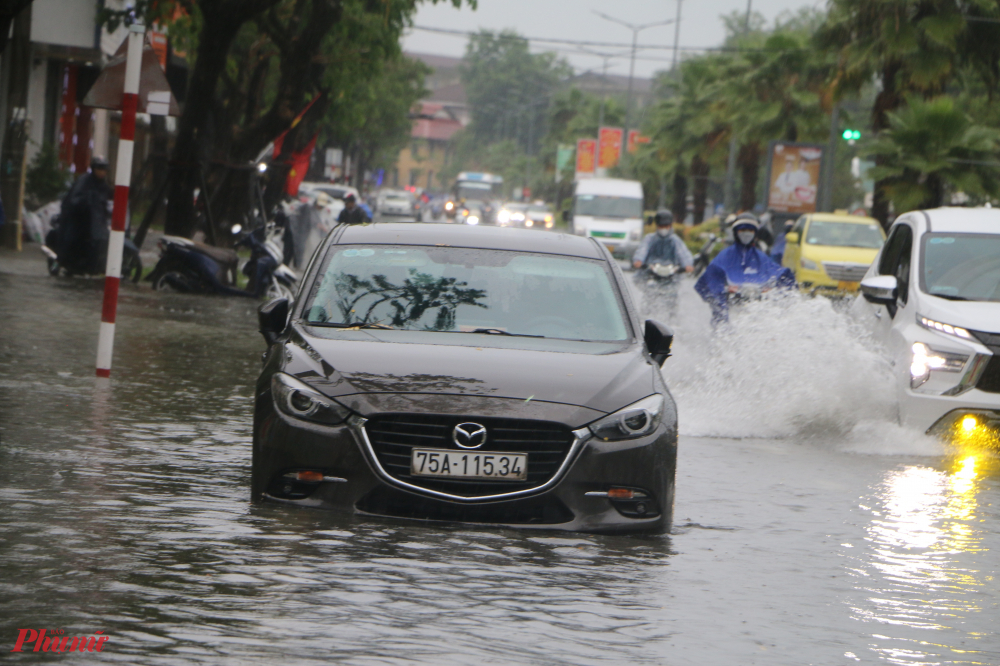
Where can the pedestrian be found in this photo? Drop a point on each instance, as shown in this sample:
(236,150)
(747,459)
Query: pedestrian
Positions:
(83,221)
(352,213)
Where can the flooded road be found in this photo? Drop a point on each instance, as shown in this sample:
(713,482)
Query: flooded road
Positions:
(808,528)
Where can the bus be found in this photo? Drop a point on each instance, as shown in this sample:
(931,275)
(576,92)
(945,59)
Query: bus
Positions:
(483,191)
(610,211)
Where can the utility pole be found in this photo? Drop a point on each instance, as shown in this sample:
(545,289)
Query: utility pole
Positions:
(636,29)
(826,189)
(605,57)
(728,194)
(677,34)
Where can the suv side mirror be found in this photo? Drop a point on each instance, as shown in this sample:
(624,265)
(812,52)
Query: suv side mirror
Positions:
(273,317)
(880,289)
(658,338)
(792,237)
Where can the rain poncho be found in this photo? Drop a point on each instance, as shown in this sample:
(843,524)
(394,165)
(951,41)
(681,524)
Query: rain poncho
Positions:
(736,265)
(669,249)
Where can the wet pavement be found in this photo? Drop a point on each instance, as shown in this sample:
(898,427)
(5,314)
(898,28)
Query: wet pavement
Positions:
(808,528)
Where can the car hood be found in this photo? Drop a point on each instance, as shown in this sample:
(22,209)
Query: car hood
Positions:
(850,255)
(603,382)
(973,315)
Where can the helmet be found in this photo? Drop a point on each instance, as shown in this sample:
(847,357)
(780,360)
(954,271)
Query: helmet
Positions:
(747,220)
(323,199)
(98,162)
(664,217)
(350,197)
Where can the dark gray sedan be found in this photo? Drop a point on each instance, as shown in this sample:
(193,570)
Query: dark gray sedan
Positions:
(478,375)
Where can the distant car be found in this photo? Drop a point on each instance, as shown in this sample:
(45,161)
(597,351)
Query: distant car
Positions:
(395,202)
(538,216)
(485,376)
(330,189)
(830,252)
(512,215)
(932,299)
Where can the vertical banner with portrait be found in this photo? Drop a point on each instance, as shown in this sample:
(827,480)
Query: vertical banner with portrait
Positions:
(793,177)
(609,147)
(586,158)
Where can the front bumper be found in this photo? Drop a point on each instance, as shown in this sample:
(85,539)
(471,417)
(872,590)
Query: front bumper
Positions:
(355,483)
(938,414)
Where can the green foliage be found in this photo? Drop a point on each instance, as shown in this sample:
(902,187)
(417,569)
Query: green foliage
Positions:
(932,149)
(46,179)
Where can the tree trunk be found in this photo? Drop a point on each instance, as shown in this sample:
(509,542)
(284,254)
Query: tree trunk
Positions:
(679,205)
(699,173)
(748,160)
(887,100)
(222,19)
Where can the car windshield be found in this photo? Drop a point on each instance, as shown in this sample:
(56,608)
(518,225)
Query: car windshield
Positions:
(467,291)
(844,234)
(538,209)
(402,198)
(605,206)
(961,266)
(476,191)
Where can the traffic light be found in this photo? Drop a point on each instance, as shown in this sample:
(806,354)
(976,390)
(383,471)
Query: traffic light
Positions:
(851,135)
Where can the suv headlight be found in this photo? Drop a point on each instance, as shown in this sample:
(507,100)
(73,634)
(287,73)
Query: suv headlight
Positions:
(925,360)
(301,401)
(637,420)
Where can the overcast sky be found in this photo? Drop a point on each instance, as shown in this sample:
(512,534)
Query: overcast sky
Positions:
(575,20)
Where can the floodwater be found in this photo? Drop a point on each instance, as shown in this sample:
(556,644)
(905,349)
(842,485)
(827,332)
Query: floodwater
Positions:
(808,528)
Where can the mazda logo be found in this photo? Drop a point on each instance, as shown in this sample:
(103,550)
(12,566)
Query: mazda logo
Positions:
(469,435)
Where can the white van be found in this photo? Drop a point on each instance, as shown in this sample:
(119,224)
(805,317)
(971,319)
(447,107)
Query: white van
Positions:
(609,210)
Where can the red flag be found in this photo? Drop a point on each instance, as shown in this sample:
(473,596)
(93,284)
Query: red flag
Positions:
(279,142)
(300,165)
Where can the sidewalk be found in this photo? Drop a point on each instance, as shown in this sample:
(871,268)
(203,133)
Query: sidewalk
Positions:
(31,262)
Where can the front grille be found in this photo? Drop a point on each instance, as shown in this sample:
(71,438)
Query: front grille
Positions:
(989,381)
(845,272)
(393,437)
(545,510)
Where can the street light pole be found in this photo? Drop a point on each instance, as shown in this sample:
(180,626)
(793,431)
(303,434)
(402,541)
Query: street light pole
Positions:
(677,34)
(728,194)
(636,29)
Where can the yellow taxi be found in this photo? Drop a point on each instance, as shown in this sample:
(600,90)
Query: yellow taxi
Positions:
(831,252)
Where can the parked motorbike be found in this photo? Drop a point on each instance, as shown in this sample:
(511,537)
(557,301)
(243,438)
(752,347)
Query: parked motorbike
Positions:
(131,262)
(191,267)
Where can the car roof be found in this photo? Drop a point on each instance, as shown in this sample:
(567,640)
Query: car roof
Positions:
(964,220)
(463,235)
(843,217)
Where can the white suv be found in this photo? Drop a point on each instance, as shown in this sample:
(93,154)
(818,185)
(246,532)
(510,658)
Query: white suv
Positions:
(932,299)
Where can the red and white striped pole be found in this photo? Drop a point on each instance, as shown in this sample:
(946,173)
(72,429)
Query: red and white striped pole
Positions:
(123,177)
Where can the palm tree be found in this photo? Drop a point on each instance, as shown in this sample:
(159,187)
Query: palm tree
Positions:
(932,149)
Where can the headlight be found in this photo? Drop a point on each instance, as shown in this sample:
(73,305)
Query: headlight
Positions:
(529,223)
(637,420)
(301,401)
(808,264)
(926,359)
(932,325)
(503,216)
(449,206)
(548,220)
(472,219)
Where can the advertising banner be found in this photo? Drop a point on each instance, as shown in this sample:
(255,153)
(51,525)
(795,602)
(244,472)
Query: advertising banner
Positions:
(634,139)
(793,174)
(609,150)
(564,156)
(586,157)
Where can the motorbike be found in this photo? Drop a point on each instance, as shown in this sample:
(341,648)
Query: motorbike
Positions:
(131,262)
(661,281)
(191,267)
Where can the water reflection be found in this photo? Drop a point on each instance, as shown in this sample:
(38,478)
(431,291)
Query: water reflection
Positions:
(922,570)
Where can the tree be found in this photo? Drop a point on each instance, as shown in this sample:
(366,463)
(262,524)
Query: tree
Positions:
(932,149)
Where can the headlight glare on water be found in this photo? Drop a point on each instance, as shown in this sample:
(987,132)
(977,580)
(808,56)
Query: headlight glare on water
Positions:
(299,400)
(637,420)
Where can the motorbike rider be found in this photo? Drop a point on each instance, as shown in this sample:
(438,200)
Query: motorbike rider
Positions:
(82,235)
(352,213)
(663,246)
(740,263)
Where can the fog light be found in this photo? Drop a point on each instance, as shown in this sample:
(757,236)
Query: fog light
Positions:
(969,423)
(621,493)
(310,476)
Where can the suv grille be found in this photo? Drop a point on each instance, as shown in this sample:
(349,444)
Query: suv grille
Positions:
(989,381)
(845,272)
(393,436)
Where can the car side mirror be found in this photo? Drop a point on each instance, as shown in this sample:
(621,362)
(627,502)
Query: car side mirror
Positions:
(659,338)
(273,317)
(880,289)
(792,237)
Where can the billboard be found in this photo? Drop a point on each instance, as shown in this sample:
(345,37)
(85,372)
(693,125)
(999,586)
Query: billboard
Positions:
(634,139)
(586,157)
(793,174)
(609,147)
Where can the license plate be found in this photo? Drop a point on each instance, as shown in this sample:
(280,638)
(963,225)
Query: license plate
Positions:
(466,465)
(844,285)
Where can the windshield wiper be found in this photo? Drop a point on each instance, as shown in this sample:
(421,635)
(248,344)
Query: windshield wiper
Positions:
(355,327)
(500,331)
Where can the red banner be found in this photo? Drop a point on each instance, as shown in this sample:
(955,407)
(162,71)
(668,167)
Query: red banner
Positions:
(609,150)
(586,153)
(634,139)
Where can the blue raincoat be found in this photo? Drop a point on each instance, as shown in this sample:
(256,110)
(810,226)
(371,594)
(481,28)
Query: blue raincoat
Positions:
(738,264)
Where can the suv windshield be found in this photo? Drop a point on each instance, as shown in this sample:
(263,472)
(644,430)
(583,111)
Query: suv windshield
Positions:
(601,206)
(961,266)
(467,290)
(844,234)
